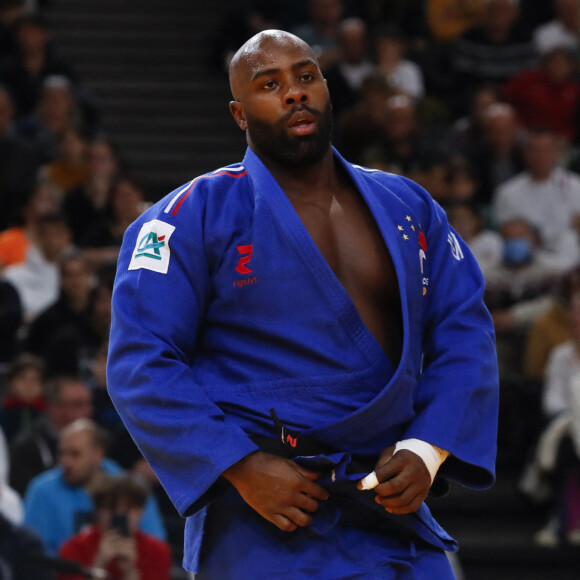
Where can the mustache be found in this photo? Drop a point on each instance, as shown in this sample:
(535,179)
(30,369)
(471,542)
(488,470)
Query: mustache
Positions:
(299,109)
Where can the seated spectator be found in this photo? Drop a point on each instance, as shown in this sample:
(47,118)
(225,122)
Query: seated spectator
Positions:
(18,165)
(23,402)
(346,76)
(57,110)
(115,543)
(549,95)
(500,156)
(25,73)
(15,242)
(449,19)
(126,202)
(547,196)
(485,244)
(465,135)
(518,291)
(37,279)
(18,548)
(321,31)
(64,333)
(69,168)
(551,329)
(494,50)
(35,449)
(363,126)
(562,31)
(85,206)
(57,503)
(403,75)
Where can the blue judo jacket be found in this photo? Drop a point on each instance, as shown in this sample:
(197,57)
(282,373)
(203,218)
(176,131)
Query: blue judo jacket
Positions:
(224,308)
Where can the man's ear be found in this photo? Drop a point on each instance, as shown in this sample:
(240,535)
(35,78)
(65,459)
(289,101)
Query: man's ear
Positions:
(237,111)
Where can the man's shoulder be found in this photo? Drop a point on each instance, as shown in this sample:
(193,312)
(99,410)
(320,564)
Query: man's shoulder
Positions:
(47,481)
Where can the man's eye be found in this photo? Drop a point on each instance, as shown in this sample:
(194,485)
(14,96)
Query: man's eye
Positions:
(269,85)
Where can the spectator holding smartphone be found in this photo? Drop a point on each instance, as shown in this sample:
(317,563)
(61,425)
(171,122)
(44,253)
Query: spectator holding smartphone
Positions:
(114,543)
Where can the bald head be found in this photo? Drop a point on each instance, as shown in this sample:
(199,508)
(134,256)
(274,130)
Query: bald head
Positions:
(259,53)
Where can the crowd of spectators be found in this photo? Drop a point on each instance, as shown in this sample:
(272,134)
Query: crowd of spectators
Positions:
(477,100)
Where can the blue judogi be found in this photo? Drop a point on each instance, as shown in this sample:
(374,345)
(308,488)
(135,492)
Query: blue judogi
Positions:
(224,308)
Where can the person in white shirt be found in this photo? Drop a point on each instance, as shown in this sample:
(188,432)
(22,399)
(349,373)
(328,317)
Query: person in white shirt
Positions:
(563,31)
(547,196)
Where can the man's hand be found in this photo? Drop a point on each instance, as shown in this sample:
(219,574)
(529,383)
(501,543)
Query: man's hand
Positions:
(114,547)
(404,481)
(278,489)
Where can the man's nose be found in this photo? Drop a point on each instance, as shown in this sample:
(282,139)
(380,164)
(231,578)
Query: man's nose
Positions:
(296,94)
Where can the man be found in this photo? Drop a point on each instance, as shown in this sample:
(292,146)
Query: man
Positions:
(547,196)
(115,542)
(58,504)
(35,449)
(332,299)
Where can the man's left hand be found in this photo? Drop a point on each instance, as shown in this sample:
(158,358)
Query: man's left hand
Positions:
(404,481)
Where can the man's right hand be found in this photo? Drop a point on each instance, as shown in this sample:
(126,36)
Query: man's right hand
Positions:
(278,489)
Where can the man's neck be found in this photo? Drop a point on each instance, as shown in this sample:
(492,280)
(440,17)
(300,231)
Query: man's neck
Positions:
(312,181)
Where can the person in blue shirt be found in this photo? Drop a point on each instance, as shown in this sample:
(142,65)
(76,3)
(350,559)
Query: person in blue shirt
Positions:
(300,348)
(57,503)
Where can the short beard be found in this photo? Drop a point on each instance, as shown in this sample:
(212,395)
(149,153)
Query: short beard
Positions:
(271,141)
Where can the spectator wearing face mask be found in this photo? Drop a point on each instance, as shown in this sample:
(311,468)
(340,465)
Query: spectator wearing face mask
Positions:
(518,289)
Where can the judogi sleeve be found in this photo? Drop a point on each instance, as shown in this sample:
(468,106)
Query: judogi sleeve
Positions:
(159,297)
(457,396)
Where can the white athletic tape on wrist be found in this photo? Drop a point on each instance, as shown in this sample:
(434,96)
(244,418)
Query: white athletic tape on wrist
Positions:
(431,457)
(369,481)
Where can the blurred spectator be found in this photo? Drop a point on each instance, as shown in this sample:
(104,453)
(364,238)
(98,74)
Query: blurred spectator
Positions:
(23,402)
(34,450)
(86,205)
(485,244)
(465,135)
(403,144)
(36,60)
(11,320)
(550,329)
(37,279)
(401,74)
(57,110)
(15,242)
(61,332)
(495,50)
(18,545)
(69,168)
(114,543)
(57,503)
(518,291)
(562,31)
(363,125)
(346,76)
(500,156)
(449,19)
(461,180)
(126,202)
(18,165)
(548,96)
(322,30)
(547,196)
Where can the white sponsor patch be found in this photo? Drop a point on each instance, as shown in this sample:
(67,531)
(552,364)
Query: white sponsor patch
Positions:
(152,247)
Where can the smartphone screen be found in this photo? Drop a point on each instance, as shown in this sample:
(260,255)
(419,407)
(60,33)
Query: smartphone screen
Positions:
(119,522)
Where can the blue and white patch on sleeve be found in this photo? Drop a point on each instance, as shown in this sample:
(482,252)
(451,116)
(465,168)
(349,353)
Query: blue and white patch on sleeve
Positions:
(152,247)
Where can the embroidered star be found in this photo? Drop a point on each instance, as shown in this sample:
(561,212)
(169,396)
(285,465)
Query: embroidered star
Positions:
(412,227)
(405,237)
(400,228)
(408,218)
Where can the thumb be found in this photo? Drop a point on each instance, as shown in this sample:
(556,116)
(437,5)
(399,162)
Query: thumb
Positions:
(311,475)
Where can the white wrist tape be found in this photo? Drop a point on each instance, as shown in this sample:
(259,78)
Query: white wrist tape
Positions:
(431,456)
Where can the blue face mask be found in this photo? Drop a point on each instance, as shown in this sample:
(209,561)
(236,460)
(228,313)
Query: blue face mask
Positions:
(517,251)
